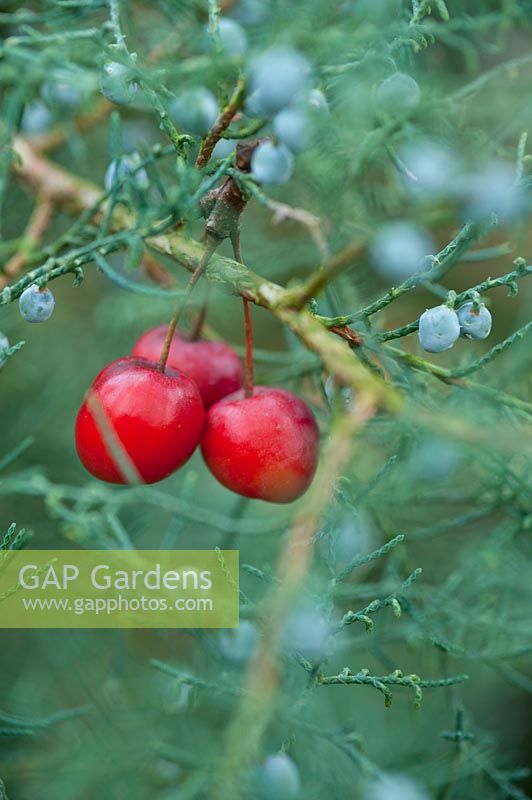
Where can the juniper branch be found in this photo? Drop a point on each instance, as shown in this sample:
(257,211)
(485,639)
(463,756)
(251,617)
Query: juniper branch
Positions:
(382,683)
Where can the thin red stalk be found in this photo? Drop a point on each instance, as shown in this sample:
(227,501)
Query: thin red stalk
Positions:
(182,303)
(248,368)
(200,319)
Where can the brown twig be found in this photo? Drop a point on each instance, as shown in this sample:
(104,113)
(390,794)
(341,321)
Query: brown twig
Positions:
(199,322)
(249,379)
(210,247)
(221,124)
(59,135)
(349,255)
(37,224)
(314,225)
(347,333)
(155,270)
(248,368)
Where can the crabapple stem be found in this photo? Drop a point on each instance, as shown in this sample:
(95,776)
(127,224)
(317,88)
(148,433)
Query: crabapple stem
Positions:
(248,369)
(182,302)
(200,319)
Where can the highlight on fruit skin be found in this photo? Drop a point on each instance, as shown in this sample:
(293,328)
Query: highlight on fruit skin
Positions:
(134,415)
(264,446)
(214,366)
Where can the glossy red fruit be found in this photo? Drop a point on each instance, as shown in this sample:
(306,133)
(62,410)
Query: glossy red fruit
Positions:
(264,446)
(155,417)
(214,366)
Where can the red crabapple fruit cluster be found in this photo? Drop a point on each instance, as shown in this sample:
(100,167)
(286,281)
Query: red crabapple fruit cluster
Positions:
(141,422)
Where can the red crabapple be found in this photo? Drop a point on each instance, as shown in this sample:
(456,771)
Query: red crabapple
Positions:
(154,418)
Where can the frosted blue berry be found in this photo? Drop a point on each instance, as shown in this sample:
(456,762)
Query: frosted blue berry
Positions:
(238,644)
(36,305)
(62,91)
(395,787)
(307,631)
(194,111)
(399,249)
(279,74)
(233,38)
(434,166)
(317,101)
(292,128)
(252,12)
(37,118)
(492,190)
(474,323)
(333,393)
(312,101)
(4,344)
(119,168)
(354,534)
(398,93)
(278,778)
(438,329)
(272,164)
(224,148)
(116,83)
(434,459)
(253,105)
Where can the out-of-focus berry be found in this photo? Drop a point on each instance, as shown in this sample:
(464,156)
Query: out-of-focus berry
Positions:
(63,89)
(279,74)
(36,118)
(399,93)
(332,391)
(116,83)
(4,344)
(398,250)
(317,101)
(354,534)
(224,148)
(292,128)
(119,168)
(251,12)
(434,166)
(395,787)
(238,644)
(492,191)
(233,39)
(253,105)
(194,111)
(307,631)
(278,778)
(434,459)
(272,164)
